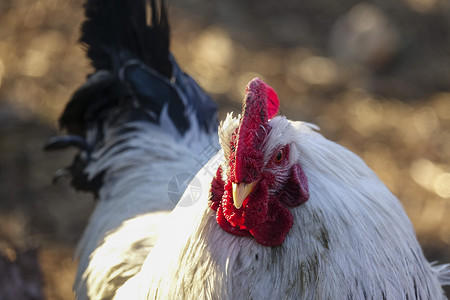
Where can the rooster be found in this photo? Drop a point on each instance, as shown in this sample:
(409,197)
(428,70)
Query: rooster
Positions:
(280,212)
(142,126)
(289,215)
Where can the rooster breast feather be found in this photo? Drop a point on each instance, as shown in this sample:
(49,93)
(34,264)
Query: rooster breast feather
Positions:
(352,238)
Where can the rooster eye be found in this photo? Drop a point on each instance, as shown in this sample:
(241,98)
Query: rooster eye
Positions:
(279,156)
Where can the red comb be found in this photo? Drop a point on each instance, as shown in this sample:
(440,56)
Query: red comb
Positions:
(260,104)
(258,87)
(272,101)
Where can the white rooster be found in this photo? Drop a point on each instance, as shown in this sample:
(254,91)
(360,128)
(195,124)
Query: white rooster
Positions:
(290,215)
(287,215)
(143,127)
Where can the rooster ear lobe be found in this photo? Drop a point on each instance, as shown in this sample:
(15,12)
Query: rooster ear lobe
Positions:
(296,190)
(273,103)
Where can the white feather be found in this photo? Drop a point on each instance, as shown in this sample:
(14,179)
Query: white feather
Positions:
(350,240)
(133,199)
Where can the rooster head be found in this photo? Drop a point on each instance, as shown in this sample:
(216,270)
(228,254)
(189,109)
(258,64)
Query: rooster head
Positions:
(261,176)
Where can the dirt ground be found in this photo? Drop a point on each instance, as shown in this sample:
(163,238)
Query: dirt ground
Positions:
(374,76)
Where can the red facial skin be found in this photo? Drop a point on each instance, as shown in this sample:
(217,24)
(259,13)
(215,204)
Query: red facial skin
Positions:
(262,215)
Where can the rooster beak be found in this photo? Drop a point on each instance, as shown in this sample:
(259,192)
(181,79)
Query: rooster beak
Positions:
(240,192)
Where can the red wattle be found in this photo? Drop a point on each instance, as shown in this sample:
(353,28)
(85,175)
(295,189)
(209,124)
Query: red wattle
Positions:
(274,230)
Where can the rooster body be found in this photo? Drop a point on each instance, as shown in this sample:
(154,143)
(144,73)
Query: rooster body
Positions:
(350,240)
(280,212)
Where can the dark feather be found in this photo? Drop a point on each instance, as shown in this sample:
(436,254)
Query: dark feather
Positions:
(135,77)
(116,31)
(61,142)
(133,63)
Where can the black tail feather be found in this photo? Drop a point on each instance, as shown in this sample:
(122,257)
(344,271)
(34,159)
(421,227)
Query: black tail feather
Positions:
(124,39)
(136,78)
(119,30)
(114,33)
(65,141)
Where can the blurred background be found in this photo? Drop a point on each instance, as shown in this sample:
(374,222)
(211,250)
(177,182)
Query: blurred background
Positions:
(375,76)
